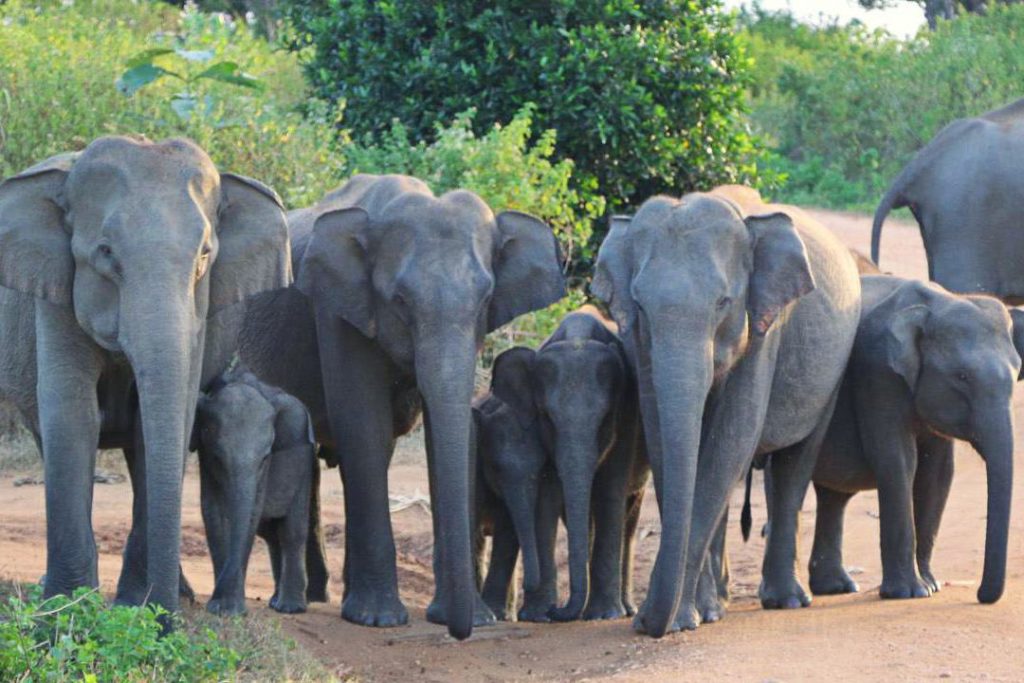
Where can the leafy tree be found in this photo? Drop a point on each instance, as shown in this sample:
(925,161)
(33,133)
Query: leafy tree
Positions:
(646,96)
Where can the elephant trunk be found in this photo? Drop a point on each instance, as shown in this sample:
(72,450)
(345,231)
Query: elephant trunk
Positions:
(445,370)
(524,519)
(996,447)
(575,456)
(244,505)
(165,351)
(681,378)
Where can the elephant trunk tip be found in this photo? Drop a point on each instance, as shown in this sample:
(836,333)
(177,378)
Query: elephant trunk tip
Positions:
(990,592)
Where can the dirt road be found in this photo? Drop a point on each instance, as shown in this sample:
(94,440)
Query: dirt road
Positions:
(856,637)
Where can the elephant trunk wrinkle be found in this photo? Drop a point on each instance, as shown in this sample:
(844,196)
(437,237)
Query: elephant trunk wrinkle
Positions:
(996,446)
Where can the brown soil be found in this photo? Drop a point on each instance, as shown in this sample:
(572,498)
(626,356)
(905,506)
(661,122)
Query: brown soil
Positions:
(855,637)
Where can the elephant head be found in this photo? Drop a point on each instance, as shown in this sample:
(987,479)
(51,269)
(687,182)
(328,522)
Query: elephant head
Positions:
(426,278)
(234,436)
(959,358)
(580,380)
(692,283)
(143,241)
(511,455)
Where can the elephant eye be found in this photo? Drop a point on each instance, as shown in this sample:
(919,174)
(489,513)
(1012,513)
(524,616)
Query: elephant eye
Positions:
(962,376)
(105,250)
(724,302)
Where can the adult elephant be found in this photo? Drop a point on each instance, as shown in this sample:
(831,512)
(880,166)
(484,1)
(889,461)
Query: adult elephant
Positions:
(121,267)
(739,317)
(395,289)
(964,189)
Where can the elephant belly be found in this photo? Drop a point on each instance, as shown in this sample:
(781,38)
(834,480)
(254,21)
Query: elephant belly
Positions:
(841,467)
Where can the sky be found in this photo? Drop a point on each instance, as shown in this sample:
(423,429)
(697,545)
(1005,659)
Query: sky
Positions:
(902,20)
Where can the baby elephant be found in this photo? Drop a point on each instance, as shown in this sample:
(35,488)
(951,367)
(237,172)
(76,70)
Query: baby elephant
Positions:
(515,483)
(927,367)
(259,474)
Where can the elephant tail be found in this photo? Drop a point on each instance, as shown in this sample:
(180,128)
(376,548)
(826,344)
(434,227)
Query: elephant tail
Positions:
(746,519)
(893,199)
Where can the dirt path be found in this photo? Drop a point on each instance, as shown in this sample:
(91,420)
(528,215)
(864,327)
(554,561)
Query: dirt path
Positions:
(857,637)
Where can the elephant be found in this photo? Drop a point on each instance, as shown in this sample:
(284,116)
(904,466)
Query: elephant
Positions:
(927,367)
(580,391)
(259,474)
(123,272)
(394,291)
(738,318)
(515,485)
(964,189)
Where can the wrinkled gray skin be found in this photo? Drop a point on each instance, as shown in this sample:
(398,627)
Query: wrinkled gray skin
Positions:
(515,485)
(395,290)
(738,318)
(964,189)
(580,391)
(120,269)
(927,367)
(259,475)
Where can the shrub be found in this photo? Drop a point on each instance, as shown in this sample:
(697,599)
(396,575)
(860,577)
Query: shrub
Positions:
(646,96)
(81,638)
(57,91)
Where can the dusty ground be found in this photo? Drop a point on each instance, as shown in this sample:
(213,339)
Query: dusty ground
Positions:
(856,637)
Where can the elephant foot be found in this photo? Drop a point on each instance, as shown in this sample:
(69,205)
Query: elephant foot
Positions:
(686,619)
(226,607)
(293,606)
(536,612)
(629,606)
(929,580)
(604,608)
(832,582)
(784,595)
(482,614)
(710,609)
(568,612)
(903,589)
(370,608)
(317,594)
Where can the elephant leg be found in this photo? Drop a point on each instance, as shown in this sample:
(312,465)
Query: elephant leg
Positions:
(709,606)
(896,519)
(482,615)
(268,532)
(537,604)
(357,380)
(792,469)
(499,587)
(69,421)
(827,574)
(316,554)
(290,585)
(609,513)
(633,504)
(932,482)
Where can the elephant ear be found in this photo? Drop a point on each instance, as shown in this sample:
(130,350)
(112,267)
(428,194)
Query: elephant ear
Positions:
(613,273)
(35,248)
(527,268)
(336,269)
(903,342)
(511,382)
(253,253)
(1017,315)
(782,273)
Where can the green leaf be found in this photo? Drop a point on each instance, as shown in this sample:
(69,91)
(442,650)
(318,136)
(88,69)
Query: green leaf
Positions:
(140,76)
(184,105)
(147,56)
(228,72)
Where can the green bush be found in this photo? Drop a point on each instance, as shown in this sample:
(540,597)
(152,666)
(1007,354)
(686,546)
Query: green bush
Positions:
(57,92)
(646,96)
(80,638)
(846,108)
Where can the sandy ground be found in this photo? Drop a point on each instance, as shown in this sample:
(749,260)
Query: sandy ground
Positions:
(855,637)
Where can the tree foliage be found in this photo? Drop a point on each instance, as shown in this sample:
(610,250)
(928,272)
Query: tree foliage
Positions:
(646,96)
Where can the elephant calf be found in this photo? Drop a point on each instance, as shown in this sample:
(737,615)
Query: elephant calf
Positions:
(927,367)
(259,475)
(514,480)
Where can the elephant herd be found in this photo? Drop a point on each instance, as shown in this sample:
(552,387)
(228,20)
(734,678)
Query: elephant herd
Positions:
(153,303)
